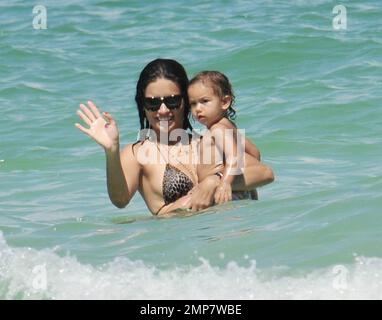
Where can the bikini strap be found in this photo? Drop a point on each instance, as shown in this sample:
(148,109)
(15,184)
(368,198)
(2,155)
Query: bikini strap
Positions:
(160,209)
(135,143)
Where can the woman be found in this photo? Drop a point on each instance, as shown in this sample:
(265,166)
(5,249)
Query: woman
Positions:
(160,167)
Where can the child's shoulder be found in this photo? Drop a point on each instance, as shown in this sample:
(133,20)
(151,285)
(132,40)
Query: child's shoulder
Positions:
(223,124)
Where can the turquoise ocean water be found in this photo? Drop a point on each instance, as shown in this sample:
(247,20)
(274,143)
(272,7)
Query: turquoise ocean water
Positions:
(308,95)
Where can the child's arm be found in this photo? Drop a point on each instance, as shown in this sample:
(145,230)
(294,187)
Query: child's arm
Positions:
(255,174)
(251,149)
(234,160)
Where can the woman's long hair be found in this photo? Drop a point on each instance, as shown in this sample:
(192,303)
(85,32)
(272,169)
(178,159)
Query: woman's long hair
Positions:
(166,69)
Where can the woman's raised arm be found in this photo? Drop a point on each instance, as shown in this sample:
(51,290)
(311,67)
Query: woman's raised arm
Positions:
(122,169)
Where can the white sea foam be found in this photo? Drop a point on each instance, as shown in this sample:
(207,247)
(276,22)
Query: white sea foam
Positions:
(27,273)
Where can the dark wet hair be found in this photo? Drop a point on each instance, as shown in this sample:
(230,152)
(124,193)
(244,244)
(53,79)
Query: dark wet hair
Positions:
(162,69)
(220,85)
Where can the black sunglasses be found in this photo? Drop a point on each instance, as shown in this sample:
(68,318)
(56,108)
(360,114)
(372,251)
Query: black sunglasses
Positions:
(171,102)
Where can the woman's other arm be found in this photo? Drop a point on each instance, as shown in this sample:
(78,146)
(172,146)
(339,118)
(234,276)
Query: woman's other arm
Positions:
(255,174)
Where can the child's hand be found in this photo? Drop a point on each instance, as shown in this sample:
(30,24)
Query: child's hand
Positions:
(223,193)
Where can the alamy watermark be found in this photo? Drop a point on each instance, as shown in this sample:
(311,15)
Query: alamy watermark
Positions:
(40,280)
(40,19)
(340,21)
(205,148)
(340,281)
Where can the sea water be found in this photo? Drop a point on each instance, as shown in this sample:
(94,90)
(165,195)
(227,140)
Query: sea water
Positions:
(308,95)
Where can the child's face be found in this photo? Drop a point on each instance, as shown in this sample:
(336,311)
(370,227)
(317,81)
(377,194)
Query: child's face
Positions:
(206,106)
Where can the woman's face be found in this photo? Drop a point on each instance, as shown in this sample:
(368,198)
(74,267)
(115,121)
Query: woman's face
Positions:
(164,120)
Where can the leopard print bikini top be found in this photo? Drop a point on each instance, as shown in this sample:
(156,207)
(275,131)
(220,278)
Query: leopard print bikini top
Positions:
(176,184)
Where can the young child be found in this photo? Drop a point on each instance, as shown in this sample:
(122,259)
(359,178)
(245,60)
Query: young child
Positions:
(211,99)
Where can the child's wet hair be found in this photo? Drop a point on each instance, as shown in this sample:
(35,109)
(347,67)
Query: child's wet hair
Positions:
(220,85)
